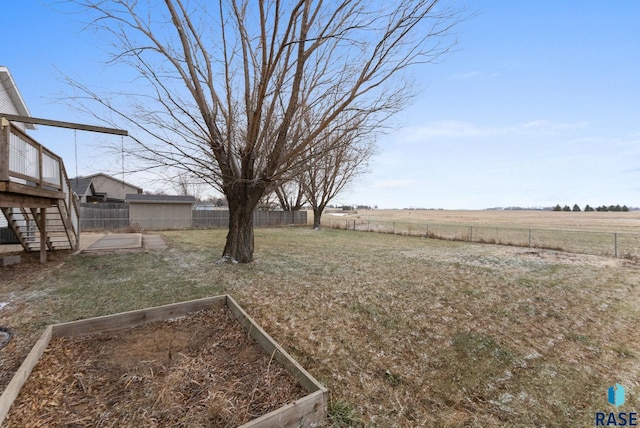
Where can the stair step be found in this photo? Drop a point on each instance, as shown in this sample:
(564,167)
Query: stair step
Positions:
(25,224)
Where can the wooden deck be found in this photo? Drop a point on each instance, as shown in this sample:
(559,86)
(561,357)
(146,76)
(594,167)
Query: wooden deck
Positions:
(35,193)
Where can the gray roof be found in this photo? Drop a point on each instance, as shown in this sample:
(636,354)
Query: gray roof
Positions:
(159,199)
(80,185)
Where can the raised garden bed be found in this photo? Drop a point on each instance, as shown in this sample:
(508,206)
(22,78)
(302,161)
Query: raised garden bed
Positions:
(198,363)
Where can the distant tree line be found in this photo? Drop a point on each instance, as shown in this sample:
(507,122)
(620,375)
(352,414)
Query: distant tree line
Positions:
(587,208)
(353,207)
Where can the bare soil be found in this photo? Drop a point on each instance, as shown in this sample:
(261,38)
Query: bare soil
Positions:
(201,370)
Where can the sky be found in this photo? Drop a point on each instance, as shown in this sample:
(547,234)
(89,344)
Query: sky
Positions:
(537,104)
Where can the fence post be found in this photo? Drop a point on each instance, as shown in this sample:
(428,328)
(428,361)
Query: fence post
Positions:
(426,235)
(394,227)
(471,233)
(615,244)
(529,238)
(369,225)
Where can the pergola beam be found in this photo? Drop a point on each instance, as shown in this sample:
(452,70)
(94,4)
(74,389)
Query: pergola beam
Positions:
(60,124)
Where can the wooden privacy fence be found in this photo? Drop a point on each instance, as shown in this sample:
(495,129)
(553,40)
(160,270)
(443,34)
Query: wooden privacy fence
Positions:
(608,244)
(117,217)
(104,216)
(202,219)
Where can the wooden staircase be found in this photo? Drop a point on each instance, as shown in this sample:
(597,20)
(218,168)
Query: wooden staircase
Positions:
(26,225)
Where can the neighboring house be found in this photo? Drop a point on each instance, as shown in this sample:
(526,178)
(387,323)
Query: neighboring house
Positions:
(84,190)
(205,207)
(102,188)
(160,212)
(11,101)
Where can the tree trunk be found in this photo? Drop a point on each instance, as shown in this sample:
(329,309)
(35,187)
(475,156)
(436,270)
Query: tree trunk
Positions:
(239,246)
(317,214)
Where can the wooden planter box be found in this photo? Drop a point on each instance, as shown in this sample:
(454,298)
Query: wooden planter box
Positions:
(308,410)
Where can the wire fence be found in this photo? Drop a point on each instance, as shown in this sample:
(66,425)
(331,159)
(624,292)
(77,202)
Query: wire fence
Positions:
(608,244)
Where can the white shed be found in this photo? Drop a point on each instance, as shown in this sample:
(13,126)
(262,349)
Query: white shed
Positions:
(160,212)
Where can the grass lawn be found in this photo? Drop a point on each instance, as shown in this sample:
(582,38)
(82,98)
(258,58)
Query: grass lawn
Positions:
(403,331)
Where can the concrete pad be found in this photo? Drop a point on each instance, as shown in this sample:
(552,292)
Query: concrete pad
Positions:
(10,248)
(153,242)
(9,260)
(117,241)
(88,239)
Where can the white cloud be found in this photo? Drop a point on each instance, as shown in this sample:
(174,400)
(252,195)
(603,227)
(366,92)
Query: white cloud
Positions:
(548,127)
(461,129)
(448,129)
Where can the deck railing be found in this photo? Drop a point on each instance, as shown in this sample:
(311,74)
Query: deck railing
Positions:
(25,161)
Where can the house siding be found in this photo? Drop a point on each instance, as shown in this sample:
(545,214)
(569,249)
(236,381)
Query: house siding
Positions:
(115,189)
(7,106)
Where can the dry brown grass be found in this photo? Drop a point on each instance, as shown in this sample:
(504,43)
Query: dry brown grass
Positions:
(403,331)
(433,333)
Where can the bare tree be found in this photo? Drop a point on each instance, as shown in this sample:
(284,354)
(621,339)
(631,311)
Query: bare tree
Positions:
(267,201)
(182,186)
(221,83)
(186,186)
(290,195)
(337,158)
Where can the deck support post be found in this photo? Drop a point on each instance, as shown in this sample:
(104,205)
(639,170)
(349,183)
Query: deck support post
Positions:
(5,131)
(43,235)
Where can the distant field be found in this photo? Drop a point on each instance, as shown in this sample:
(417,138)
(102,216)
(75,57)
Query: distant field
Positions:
(610,234)
(628,222)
